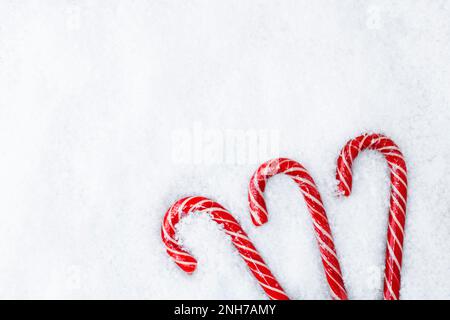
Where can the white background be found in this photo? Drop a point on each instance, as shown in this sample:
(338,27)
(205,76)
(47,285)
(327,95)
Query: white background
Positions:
(91,92)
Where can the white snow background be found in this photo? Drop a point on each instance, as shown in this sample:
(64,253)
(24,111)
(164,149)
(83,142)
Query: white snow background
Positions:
(92,91)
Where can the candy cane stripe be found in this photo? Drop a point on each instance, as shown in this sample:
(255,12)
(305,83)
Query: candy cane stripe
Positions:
(399,225)
(388,292)
(395,237)
(337,283)
(324,232)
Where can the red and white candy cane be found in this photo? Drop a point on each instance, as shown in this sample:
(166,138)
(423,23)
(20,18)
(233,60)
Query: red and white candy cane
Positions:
(397,211)
(240,240)
(313,200)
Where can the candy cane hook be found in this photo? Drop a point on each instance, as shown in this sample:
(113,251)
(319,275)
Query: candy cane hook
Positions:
(397,211)
(315,206)
(240,240)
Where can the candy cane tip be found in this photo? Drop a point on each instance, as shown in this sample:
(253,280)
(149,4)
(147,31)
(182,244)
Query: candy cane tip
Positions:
(259,220)
(343,190)
(343,193)
(189,269)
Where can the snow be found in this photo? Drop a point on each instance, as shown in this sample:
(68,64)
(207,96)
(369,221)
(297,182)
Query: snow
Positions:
(93,96)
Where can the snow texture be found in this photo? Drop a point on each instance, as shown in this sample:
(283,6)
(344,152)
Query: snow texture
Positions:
(93,92)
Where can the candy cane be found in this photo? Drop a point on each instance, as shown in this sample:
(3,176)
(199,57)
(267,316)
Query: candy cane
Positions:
(231,227)
(397,211)
(313,200)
